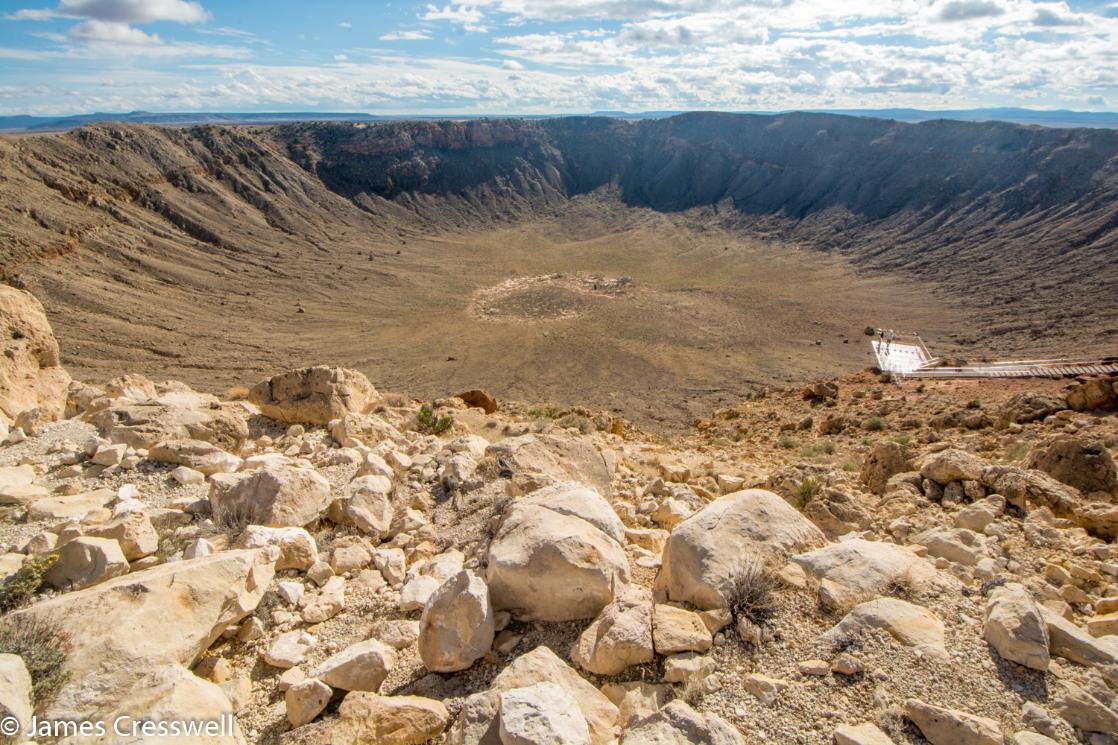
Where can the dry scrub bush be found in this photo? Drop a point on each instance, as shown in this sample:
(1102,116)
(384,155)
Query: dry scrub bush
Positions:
(42,645)
(25,583)
(752,594)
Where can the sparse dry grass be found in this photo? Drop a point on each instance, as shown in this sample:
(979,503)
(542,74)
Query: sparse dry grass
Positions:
(43,647)
(236,393)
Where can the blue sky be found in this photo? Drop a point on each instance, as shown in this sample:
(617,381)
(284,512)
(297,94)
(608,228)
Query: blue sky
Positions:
(554,56)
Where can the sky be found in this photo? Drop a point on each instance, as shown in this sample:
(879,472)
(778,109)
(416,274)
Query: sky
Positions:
(554,56)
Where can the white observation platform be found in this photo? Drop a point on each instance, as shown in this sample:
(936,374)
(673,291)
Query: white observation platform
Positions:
(905,355)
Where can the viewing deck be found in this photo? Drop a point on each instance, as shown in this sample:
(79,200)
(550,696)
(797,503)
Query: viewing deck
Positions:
(905,355)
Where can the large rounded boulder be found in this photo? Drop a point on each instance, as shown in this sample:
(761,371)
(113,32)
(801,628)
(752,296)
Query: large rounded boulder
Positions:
(543,460)
(30,375)
(707,551)
(314,395)
(548,566)
(1083,463)
(276,497)
(457,626)
(580,501)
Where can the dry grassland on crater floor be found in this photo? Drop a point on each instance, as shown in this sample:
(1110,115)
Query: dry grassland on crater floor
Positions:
(657,317)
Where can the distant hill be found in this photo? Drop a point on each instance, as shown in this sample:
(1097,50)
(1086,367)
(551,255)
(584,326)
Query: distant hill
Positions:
(1054,118)
(63,123)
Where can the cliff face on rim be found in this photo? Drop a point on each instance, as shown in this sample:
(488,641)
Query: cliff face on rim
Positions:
(975,193)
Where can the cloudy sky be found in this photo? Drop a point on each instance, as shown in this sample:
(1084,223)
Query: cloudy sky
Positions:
(554,56)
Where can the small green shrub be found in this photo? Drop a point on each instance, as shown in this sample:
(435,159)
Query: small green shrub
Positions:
(824,447)
(1017,450)
(19,588)
(808,490)
(575,421)
(787,442)
(903,439)
(546,412)
(43,647)
(875,424)
(428,423)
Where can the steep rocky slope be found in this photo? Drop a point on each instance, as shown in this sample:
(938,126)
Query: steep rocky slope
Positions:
(851,561)
(948,196)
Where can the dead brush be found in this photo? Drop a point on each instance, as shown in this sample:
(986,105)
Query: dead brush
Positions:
(496,518)
(237,393)
(692,691)
(236,517)
(904,586)
(895,724)
(753,592)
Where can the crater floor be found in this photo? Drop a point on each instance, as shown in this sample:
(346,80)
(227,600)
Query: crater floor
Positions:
(658,317)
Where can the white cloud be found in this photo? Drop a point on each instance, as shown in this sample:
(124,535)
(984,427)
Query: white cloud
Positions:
(1052,16)
(105,30)
(111,32)
(968,10)
(621,9)
(345,24)
(120,11)
(405,36)
(463,12)
(235,33)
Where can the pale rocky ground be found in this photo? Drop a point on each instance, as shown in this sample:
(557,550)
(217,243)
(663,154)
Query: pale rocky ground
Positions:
(317,559)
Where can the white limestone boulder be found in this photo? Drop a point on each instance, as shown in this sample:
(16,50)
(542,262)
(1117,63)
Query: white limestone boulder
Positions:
(275,497)
(547,566)
(706,551)
(458,624)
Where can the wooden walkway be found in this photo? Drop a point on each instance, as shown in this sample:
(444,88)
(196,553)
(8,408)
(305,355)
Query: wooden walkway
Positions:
(906,356)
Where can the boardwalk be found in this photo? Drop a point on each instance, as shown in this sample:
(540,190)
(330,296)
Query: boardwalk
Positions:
(906,356)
